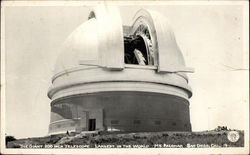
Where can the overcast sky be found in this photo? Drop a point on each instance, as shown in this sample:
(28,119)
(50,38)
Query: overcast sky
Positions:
(210,37)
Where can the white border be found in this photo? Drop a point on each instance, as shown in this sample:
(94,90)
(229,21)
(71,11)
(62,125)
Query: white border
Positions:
(2,123)
(124,151)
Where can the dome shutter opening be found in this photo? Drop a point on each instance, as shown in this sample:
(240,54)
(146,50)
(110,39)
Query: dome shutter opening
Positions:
(168,55)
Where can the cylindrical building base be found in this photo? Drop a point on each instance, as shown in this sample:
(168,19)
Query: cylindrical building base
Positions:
(120,111)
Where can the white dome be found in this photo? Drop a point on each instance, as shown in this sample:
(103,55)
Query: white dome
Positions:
(80,46)
(94,53)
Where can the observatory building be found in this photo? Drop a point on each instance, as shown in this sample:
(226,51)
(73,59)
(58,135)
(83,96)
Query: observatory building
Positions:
(115,77)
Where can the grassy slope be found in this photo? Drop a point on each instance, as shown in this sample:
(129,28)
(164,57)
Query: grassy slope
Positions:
(130,140)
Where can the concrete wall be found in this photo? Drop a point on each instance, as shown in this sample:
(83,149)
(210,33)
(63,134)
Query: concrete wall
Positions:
(86,114)
(82,124)
(98,115)
(62,126)
(134,111)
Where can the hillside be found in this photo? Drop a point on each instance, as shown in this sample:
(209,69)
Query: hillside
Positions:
(203,139)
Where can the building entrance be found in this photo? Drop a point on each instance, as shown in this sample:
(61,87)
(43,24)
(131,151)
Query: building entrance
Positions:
(92,124)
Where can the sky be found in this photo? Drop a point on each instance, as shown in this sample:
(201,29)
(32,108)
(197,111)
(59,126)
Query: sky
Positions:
(210,37)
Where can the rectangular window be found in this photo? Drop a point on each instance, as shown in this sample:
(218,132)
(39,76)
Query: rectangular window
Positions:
(114,122)
(137,122)
(157,122)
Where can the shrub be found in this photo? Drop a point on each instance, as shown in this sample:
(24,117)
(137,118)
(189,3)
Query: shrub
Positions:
(9,139)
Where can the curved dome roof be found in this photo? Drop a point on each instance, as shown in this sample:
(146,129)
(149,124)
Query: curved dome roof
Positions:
(81,45)
(99,41)
(94,41)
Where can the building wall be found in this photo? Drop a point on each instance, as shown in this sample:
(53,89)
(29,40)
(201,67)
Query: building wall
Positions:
(130,111)
(82,120)
(62,125)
